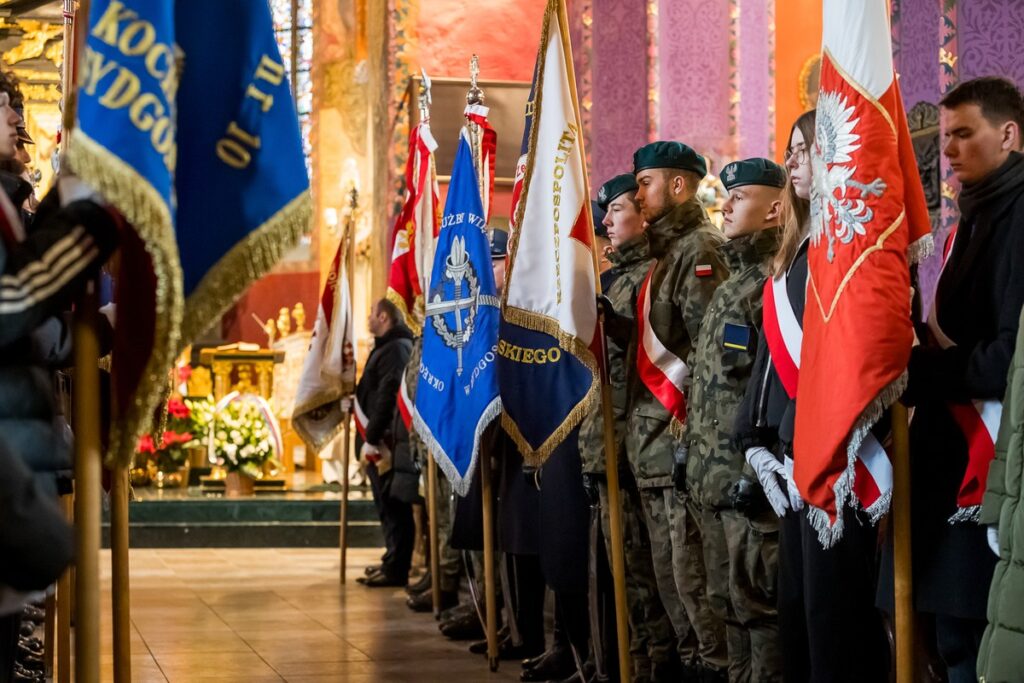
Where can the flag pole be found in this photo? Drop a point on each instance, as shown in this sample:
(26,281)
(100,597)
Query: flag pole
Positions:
(120,584)
(475,96)
(86,423)
(346,429)
(432,483)
(611,454)
(902,567)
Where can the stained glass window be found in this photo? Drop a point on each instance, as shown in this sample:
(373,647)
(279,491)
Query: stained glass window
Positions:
(293,25)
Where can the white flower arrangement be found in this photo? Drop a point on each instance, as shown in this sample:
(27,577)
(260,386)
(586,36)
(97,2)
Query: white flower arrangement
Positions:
(242,439)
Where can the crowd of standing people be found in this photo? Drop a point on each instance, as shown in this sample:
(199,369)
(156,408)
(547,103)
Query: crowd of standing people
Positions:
(726,579)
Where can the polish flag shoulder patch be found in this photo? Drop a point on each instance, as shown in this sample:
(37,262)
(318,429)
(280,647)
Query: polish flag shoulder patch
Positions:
(703,270)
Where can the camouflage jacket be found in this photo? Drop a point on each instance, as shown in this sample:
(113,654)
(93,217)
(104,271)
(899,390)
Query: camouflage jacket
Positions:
(412,374)
(723,360)
(681,241)
(631,263)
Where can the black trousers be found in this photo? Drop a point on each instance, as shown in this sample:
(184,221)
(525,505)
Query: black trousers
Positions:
(958,642)
(831,631)
(526,582)
(397,523)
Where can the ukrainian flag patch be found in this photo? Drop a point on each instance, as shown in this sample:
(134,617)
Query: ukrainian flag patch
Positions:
(737,337)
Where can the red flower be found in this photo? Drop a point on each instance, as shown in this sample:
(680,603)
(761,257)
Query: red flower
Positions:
(171,438)
(146,444)
(184,373)
(177,408)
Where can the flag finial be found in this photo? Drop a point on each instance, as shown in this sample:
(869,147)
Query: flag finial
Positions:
(475,94)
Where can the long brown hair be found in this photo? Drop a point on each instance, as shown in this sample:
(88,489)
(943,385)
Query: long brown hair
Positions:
(795,210)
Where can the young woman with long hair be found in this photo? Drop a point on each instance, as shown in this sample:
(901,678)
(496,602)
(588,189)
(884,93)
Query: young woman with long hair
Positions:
(828,625)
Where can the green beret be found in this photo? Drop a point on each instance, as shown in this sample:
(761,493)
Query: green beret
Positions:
(756,171)
(669,154)
(620,184)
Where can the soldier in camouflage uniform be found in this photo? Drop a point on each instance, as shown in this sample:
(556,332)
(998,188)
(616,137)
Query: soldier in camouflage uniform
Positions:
(740,546)
(686,273)
(652,639)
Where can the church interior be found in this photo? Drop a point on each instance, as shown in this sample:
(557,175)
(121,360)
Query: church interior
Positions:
(230,585)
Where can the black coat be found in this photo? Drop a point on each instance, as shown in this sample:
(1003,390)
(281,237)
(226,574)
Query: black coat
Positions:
(377,391)
(978,302)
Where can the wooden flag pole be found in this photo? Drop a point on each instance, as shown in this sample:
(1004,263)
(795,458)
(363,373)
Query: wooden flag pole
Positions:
(120,584)
(64,609)
(902,566)
(88,487)
(435,550)
(490,597)
(346,429)
(611,454)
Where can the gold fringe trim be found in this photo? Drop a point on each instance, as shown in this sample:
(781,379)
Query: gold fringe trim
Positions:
(529,320)
(413,320)
(246,262)
(317,442)
(150,217)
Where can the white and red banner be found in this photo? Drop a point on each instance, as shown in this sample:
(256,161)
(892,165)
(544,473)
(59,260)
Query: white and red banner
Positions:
(784,336)
(485,154)
(868,221)
(415,232)
(978,421)
(662,372)
(406,407)
(549,313)
(329,371)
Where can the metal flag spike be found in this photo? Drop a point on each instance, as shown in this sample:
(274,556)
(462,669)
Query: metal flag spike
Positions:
(475,94)
(426,99)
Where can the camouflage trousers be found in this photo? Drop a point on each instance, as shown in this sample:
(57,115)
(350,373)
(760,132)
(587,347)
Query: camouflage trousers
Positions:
(741,556)
(652,639)
(656,504)
(448,559)
(690,579)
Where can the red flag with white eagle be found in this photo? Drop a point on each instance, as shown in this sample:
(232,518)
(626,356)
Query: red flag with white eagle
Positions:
(869,222)
(329,371)
(412,250)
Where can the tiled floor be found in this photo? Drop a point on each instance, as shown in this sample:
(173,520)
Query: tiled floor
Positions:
(255,615)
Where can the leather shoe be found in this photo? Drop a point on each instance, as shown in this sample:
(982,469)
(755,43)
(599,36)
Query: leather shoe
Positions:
(554,666)
(422,584)
(381,580)
(464,627)
(372,569)
(424,602)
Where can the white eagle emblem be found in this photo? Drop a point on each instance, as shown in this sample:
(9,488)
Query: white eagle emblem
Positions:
(730,173)
(833,213)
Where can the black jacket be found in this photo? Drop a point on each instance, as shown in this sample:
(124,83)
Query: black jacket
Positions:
(33,333)
(377,390)
(978,302)
(767,415)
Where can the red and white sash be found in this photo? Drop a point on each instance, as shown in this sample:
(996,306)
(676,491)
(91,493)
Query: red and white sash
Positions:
(662,372)
(405,406)
(784,335)
(361,419)
(977,420)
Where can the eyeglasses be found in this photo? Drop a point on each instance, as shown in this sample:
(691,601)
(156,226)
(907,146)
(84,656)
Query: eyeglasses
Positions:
(798,154)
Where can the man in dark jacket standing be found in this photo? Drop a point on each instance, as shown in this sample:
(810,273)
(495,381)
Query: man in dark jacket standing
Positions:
(376,396)
(957,376)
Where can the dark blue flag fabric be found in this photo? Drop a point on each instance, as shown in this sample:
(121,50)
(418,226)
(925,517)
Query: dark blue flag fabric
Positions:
(457,390)
(187,125)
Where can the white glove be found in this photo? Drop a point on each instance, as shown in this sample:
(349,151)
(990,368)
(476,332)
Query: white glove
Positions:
(346,405)
(796,502)
(72,188)
(772,475)
(992,532)
(369,452)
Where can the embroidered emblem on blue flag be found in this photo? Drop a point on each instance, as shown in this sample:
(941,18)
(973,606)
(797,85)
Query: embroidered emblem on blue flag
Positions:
(457,389)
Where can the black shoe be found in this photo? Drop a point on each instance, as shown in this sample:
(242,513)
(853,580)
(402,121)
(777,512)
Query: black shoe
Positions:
(422,584)
(424,602)
(556,665)
(518,652)
(457,611)
(465,627)
(372,569)
(381,580)
(556,652)
(480,646)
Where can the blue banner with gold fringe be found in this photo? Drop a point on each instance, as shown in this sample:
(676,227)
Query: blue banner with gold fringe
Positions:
(187,125)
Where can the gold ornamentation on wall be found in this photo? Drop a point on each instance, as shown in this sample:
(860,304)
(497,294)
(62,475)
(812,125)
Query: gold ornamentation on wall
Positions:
(38,92)
(35,36)
(809,80)
(344,89)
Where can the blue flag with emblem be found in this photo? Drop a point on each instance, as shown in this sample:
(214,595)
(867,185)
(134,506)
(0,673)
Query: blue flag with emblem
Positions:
(190,131)
(457,390)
